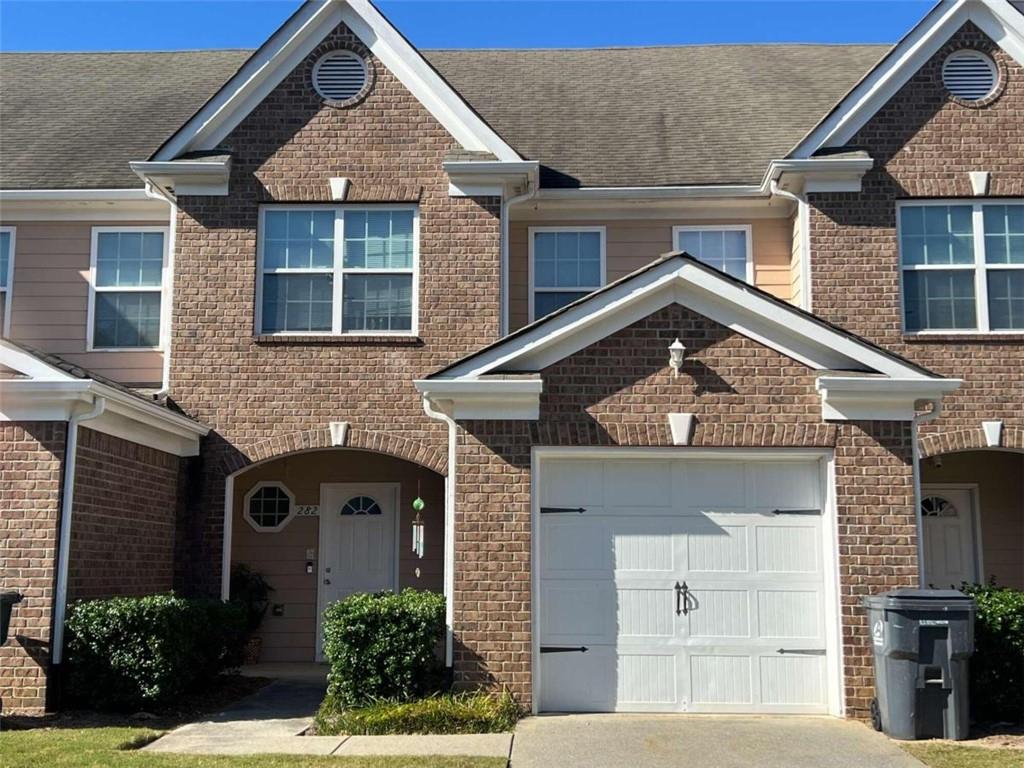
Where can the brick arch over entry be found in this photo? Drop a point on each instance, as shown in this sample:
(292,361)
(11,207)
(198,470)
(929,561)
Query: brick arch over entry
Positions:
(969,440)
(359,439)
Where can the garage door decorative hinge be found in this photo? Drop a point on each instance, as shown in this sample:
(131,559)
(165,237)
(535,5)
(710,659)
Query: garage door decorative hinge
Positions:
(561,510)
(803,651)
(563,649)
(796,511)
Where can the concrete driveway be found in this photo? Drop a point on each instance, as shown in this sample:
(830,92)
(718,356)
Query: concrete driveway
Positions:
(701,741)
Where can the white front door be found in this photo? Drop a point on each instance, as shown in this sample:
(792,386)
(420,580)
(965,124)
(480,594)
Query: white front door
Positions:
(358,543)
(692,585)
(950,547)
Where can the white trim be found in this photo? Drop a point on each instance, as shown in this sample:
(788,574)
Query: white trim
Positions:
(533,231)
(229,525)
(996,18)
(980,267)
(880,399)
(78,195)
(268,528)
(974,490)
(705,291)
(8,289)
(186,177)
(746,229)
(485,398)
(830,532)
(708,191)
(294,41)
(94,289)
(339,270)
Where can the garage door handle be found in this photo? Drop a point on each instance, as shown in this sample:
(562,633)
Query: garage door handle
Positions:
(682,599)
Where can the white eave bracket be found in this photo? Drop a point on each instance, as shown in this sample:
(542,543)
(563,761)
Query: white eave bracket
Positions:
(505,399)
(186,177)
(864,398)
(491,178)
(818,174)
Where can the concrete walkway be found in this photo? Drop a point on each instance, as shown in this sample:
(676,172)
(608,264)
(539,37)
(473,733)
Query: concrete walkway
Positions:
(701,741)
(273,719)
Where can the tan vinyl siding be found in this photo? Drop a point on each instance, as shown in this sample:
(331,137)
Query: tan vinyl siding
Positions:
(281,556)
(634,243)
(50,298)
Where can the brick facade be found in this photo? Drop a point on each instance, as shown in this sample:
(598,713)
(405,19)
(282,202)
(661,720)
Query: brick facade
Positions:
(122,537)
(266,391)
(618,392)
(31,460)
(924,144)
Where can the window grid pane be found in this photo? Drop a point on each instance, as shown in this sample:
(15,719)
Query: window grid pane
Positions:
(5,258)
(546,302)
(939,300)
(298,240)
(129,259)
(126,319)
(269,507)
(567,260)
(1006,299)
(1004,234)
(937,234)
(377,303)
(378,239)
(723,249)
(302,303)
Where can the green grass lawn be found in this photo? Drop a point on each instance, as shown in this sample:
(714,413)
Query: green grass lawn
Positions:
(116,748)
(954,756)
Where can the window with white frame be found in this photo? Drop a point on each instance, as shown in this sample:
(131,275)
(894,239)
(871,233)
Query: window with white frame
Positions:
(337,270)
(565,265)
(726,247)
(962,265)
(6,277)
(269,506)
(126,287)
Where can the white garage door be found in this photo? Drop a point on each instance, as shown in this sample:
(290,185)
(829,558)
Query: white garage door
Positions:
(693,585)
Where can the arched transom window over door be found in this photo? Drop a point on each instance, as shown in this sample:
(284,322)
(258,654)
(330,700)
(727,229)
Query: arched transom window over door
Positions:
(361,505)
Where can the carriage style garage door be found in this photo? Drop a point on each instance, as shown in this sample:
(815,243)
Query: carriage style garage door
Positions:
(693,585)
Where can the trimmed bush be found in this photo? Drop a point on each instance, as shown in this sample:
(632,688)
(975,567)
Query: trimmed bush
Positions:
(997,667)
(447,713)
(130,652)
(383,646)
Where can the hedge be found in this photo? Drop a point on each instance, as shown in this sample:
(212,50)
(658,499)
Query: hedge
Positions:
(383,646)
(997,667)
(444,713)
(130,652)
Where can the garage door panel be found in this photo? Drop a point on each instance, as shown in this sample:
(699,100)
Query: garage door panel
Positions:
(789,614)
(720,679)
(575,548)
(576,612)
(792,680)
(719,613)
(643,545)
(710,485)
(788,549)
(645,679)
(579,682)
(638,484)
(722,550)
(784,485)
(573,484)
(646,613)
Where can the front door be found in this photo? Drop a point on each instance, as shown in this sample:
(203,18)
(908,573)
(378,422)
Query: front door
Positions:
(950,548)
(357,543)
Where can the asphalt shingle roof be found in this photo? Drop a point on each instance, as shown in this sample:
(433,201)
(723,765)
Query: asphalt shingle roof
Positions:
(654,116)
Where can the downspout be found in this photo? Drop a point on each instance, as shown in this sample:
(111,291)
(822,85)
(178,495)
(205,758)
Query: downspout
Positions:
(449,529)
(918,420)
(67,501)
(168,289)
(803,212)
(531,190)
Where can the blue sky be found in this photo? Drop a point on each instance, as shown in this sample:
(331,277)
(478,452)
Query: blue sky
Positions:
(59,25)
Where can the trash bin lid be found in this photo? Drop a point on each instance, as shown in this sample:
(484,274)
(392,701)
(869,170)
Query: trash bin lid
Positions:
(921,599)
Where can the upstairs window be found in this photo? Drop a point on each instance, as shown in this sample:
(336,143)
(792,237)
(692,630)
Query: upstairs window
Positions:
(565,264)
(724,247)
(962,266)
(126,287)
(6,278)
(330,270)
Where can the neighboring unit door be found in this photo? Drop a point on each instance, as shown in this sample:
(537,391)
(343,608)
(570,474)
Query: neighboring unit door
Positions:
(692,585)
(950,548)
(357,543)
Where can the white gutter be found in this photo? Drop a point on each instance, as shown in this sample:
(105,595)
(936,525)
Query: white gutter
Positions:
(919,419)
(449,529)
(840,165)
(803,212)
(67,500)
(651,193)
(72,194)
(506,204)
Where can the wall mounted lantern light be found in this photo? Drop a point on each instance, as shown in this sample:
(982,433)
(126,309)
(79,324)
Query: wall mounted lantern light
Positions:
(676,353)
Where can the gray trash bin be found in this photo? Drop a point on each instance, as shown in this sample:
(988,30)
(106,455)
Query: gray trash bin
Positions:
(922,639)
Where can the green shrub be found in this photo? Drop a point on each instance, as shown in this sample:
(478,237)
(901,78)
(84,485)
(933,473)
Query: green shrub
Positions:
(447,713)
(130,652)
(383,646)
(997,667)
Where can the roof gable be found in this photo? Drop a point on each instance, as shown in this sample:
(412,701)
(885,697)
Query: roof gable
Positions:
(679,278)
(998,19)
(294,41)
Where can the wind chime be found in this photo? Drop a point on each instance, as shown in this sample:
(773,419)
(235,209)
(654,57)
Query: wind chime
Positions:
(418,505)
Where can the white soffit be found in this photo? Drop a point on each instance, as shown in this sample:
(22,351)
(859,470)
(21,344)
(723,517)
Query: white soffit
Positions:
(683,281)
(294,41)
(996,18)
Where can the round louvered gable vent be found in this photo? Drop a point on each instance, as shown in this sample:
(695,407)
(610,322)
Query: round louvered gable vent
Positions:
(970,75)
(339,75)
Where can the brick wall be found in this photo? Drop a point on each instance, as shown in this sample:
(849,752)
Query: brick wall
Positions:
(254,390)
(618,392)
(31,460)
(925,144)
(122,537)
